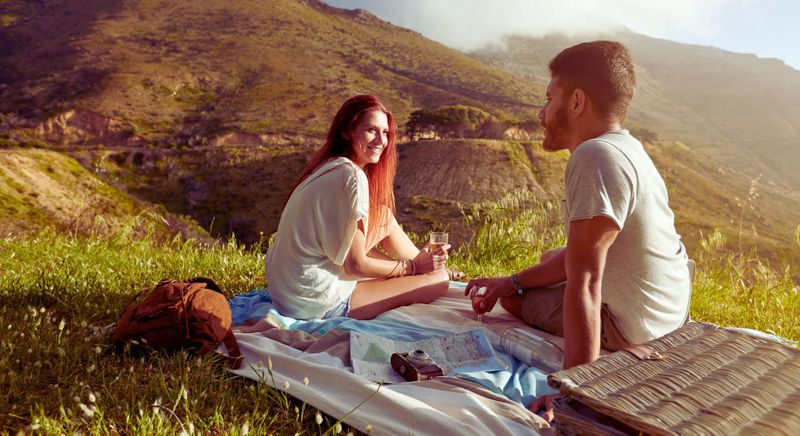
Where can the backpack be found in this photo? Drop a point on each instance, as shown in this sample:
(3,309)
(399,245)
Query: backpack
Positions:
(189,314)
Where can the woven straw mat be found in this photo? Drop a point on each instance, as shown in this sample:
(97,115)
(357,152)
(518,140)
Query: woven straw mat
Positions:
(710,380)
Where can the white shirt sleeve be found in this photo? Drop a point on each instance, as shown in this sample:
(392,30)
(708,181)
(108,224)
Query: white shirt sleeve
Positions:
(600,181)
(339,213)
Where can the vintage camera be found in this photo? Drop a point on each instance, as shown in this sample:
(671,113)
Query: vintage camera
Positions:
(415,366)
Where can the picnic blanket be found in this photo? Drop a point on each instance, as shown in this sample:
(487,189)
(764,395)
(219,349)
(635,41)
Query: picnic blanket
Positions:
(479,402)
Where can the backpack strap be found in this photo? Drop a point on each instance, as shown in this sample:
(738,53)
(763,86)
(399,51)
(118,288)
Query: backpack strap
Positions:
(234,358)
(184,291)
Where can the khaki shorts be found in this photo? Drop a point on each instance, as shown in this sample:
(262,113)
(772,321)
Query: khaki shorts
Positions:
(543,308)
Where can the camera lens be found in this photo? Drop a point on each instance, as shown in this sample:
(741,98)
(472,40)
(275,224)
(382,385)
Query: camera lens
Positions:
(418,355)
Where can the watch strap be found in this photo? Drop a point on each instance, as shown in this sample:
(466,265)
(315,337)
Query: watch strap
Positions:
(515,281)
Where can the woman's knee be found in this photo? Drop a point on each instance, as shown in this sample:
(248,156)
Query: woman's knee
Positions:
(437,286)
(441,281)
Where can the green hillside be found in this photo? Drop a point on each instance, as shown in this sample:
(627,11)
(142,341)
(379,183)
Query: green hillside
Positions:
(707,195)
(183,72)
(438,180)
(58,373)
(41,188)
(742,110)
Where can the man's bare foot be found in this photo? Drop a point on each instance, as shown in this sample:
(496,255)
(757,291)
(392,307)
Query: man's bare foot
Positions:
(544,403)
(455,275)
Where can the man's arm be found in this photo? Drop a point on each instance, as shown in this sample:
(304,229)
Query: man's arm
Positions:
(547,272)
(587,246)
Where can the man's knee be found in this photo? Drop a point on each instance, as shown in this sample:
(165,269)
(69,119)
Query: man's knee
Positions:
(550,253)
(512,304)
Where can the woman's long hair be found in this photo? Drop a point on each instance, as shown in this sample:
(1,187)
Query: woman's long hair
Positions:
(380,175)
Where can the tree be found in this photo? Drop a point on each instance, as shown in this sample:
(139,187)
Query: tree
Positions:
(457,121)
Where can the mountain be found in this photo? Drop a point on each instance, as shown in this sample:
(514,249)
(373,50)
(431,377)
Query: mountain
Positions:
(227,190)
(740,109)
(184,72)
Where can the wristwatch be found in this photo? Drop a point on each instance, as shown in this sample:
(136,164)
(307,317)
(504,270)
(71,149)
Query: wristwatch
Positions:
(515,281)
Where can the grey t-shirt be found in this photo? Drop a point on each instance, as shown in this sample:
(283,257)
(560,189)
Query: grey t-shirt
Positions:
(646,282)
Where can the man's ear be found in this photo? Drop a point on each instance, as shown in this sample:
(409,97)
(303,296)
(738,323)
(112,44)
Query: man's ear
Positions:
(577,102)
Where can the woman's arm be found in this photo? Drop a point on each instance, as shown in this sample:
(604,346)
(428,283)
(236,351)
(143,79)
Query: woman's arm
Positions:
(396,242)
(360,264)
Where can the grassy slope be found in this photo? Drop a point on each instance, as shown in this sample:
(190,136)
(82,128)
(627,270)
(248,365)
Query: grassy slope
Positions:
(745,111)
(707,195)
(40,188)
(241,190)
(438,180)
(179,69)
(238,191)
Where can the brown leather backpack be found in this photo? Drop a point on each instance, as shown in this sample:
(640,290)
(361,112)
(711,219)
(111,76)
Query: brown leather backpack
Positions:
(190,314)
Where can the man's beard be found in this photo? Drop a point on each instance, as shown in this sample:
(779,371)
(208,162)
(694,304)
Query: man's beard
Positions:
(555,132)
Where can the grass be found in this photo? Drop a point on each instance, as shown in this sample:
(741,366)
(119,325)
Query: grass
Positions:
(740,289)
(60,293)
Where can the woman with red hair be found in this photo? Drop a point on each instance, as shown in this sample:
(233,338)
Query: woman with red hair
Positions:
(324,261)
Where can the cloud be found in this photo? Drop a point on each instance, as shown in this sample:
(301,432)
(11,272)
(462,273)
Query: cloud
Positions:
(470,24)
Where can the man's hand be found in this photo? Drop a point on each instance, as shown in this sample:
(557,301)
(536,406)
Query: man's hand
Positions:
(495,288)
(545,403)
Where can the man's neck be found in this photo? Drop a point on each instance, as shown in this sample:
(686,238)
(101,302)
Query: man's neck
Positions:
(592,130)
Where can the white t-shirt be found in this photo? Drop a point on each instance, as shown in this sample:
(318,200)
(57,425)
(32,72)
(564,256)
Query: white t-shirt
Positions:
(646,282)
(304,264)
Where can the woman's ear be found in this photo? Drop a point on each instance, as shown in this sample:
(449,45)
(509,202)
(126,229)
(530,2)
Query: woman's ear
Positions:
(347,135)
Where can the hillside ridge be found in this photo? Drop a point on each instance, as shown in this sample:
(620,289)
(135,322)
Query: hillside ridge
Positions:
(182,73)
(42,188)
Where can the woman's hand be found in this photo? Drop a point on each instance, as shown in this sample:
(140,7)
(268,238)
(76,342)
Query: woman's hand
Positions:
(429,261)
(493,288)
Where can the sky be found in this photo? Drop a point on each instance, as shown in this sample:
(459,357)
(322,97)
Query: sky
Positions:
(768,28)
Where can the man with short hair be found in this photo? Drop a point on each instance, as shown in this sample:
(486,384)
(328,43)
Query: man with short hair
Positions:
(622,278)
